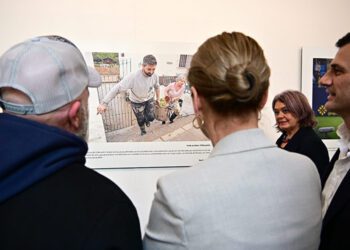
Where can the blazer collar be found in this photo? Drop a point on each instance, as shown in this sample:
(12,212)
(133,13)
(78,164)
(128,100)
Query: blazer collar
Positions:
(240,141)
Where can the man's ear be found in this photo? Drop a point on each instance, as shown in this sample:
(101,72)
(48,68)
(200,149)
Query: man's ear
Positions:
(73,117)
(196,101)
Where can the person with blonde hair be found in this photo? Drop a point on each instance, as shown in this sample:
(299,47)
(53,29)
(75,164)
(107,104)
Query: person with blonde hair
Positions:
(248,194)
(173,93)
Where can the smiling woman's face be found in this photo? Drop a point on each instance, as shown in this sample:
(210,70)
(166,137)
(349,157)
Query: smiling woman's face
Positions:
(285,120)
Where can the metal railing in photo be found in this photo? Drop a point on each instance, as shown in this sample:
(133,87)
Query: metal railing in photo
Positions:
(119,114)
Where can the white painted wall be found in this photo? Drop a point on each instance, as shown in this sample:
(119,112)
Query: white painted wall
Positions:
(281,27)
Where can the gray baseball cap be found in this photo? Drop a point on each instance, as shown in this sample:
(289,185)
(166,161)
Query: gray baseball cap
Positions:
(50,70)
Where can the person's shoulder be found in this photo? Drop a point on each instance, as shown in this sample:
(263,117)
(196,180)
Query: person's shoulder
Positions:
(308,133)
(310,137)
(177,189)
(287,157)
(178,176)
(173,177)
(297,163)
(155,77)
(185,178)
(132,75)
(98,186)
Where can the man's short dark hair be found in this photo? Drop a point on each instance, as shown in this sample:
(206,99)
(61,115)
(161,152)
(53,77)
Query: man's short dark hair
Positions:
(149,60)
(343,41)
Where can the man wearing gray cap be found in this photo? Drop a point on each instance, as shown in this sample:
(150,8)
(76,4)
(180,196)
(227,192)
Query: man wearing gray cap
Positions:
(48,198)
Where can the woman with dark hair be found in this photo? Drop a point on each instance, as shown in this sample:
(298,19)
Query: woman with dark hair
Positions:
(248,194)
(295,119)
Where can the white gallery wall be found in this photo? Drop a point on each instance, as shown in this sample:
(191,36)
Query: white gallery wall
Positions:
(281,27)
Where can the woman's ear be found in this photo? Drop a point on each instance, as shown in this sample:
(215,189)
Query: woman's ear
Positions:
(196,100)
(73,116)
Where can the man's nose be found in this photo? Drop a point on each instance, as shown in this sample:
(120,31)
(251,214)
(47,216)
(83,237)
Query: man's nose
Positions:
(325,80)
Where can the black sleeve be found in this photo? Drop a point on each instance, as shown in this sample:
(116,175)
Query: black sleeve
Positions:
(119,228)
(315,149)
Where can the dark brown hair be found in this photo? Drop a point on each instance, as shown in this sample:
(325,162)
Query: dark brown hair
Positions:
(230,71)
(343,41)
(297,104)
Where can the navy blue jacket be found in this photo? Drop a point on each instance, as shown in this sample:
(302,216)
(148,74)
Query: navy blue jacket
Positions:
(50,200)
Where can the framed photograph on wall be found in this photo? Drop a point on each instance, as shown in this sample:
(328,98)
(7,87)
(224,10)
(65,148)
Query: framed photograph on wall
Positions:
(315,62)
(115,139)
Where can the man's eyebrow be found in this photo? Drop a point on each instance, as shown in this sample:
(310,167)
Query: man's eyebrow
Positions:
(336,66)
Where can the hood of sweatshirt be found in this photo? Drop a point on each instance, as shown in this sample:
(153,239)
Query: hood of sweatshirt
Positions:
(31,151)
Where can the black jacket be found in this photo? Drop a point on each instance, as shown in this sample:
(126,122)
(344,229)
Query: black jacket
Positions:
(306,142)
(336,223)
(74,208)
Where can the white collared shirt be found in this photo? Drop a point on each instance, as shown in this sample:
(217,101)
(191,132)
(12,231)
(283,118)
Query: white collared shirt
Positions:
(341,167)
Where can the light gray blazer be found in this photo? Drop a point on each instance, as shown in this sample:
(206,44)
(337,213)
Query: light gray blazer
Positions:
(248,194)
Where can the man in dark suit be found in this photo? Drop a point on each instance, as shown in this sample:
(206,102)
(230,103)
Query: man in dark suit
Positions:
(48,198)
(336,182)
